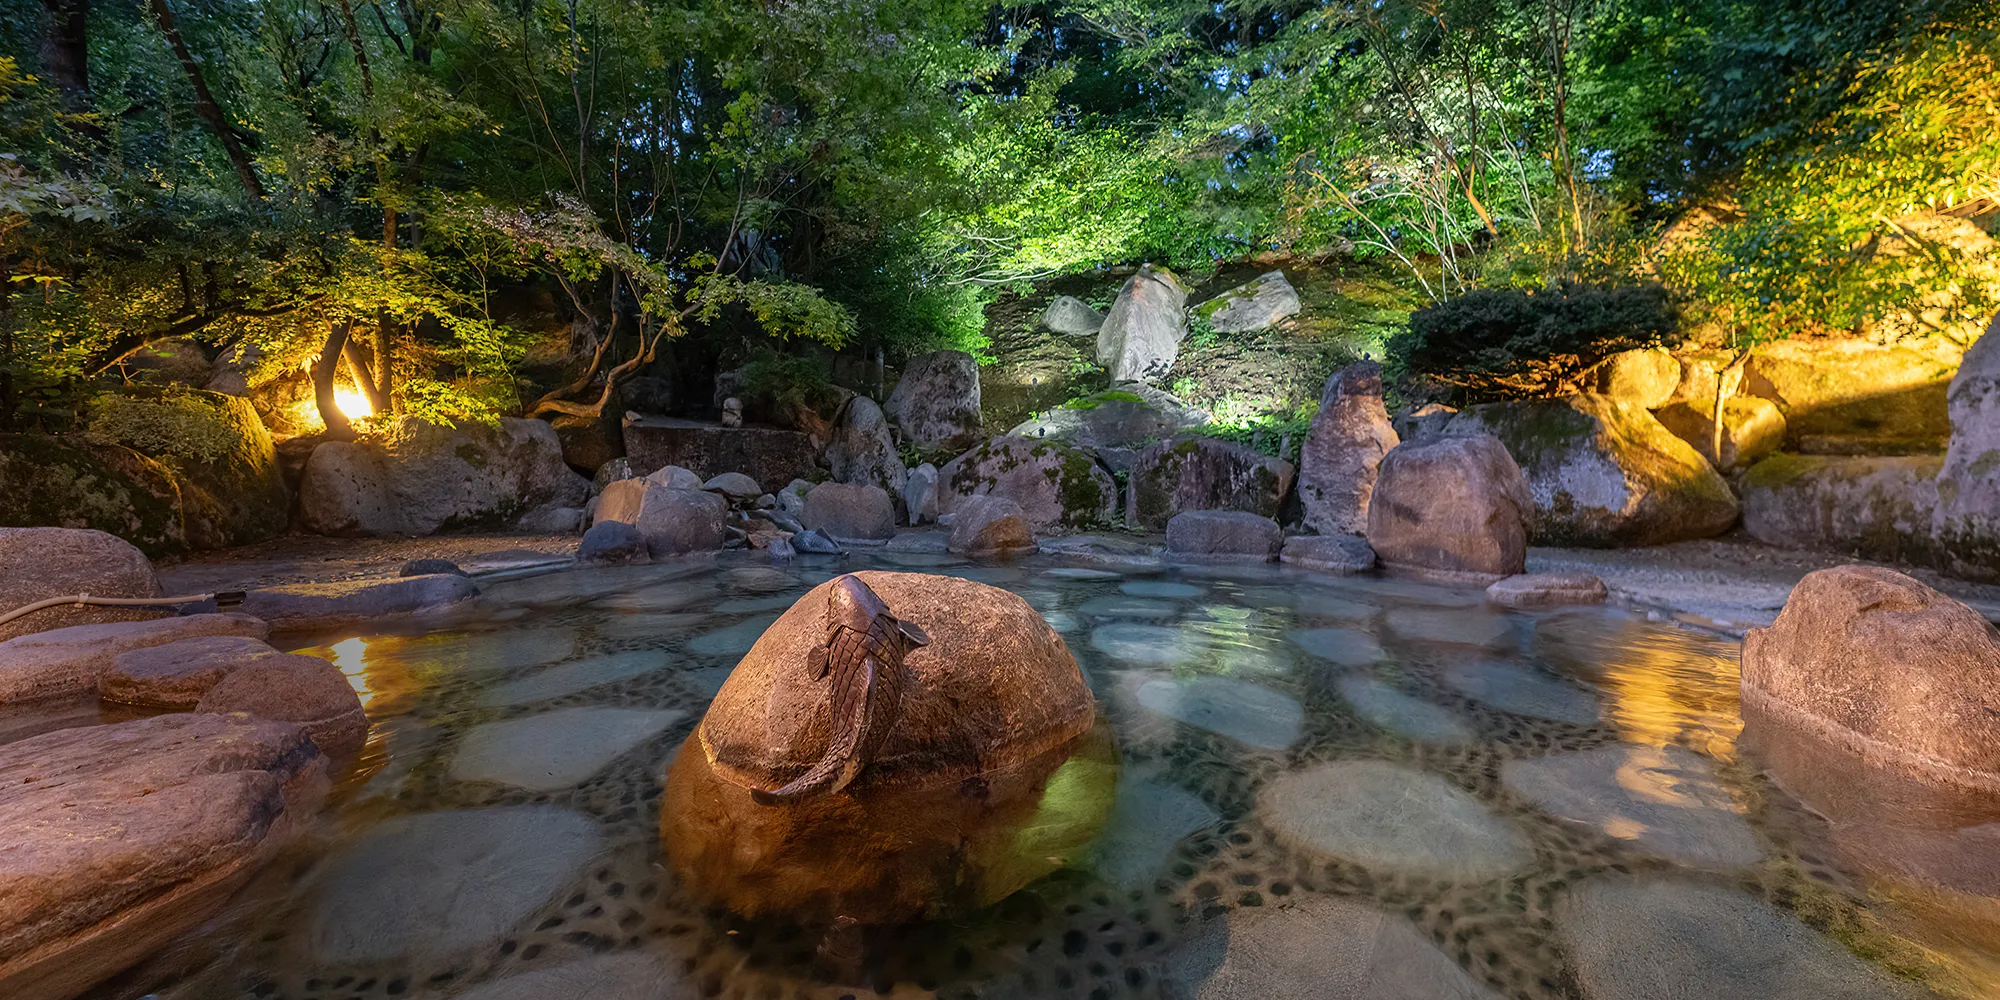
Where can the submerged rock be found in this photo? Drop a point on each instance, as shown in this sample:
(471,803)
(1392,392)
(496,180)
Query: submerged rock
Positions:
(555,750)
(993,698)
(1407,716)
(1882,666)
(1547,590)
(123,838)
(1392,819)
(1637,938)
(990,526)
(1247,713)
(346,602)
(1452,509)
(305,690)
(435,886)
(1315,947)
(1148,819)
(1665,800)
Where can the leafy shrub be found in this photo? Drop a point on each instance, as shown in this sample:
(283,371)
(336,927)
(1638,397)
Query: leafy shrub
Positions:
(172,425)
(1506,343)
(787,384)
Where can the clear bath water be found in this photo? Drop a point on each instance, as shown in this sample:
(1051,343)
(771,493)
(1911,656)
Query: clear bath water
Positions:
(1331,788)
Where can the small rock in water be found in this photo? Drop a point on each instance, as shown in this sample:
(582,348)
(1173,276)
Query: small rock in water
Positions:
(1345,646)
(1147,821)
(758,580)
(1147,645)
(611,543)
(1245,712)
(1409,717)
(577,675)
(1112,606)
(732,641)
(425,567)
(628,975)
(1161,588)
(1340,555)
(1521,691)
(1316,948)
(1082,573)
(1664,799)
(1638,938)
(1471,628)
(1393,818)
(436,885)
(554,750)
(1547,590)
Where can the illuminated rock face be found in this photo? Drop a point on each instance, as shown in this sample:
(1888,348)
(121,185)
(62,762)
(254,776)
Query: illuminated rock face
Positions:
(1142,333)
(1451,508)
(1343,452)
(418,478)
(1875,663)
(1968,513)
(1604,473)
(993,776)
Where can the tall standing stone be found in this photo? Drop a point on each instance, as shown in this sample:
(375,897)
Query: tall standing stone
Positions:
(1453,509)
(1967,522)
(936,402)
(861,450)
(1344,450)
(1142,334)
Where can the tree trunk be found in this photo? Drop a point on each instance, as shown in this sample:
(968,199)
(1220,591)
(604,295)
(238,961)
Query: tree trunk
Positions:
(1727,381)
(338,428)
(205,106)
(65,52)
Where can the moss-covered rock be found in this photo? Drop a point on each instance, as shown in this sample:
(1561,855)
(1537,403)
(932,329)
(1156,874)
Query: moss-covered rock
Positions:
(419,478)
(1604,473)
(1203,473)
(1058,485)
(232,491)
(68,482)
(1875,508)
(1116,423)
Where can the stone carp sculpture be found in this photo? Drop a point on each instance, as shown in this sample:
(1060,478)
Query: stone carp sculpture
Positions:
(896,746)
(863,653)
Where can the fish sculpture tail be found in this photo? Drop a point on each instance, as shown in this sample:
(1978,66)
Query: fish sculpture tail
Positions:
(863,653)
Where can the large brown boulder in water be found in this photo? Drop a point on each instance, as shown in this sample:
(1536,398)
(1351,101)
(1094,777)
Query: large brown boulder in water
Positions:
(1453,509)
(983,771)
(1882,666)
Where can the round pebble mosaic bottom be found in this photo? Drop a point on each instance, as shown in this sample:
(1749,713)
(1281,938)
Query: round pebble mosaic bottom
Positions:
(1365,789)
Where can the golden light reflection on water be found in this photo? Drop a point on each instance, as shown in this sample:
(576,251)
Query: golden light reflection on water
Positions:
(351,656)
(1663,686)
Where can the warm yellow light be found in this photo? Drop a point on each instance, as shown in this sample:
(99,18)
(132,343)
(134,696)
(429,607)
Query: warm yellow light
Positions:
(353,403)
(351,656)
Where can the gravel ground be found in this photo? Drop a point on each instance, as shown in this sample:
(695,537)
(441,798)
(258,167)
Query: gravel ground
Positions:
(1728,584)
(304,558)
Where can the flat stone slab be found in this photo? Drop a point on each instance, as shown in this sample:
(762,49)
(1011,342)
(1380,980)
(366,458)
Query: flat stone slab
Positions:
(1470,627)
(1147,645)
(123,837)
(1316,948)
(733,640)
(627,975)
(1345,646)
(1547,590)
(1392,818)
(1081,573)
(1247,713)
(1664,799)
(1162,588)
(1340,555)
(577,675)
(555,750)
(453,653)
(347,602)
(439,884)
(1120,606)
(71,661)
(1405,715)
(175,675)
(1147,820)
(1638,938)
(1522,691)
